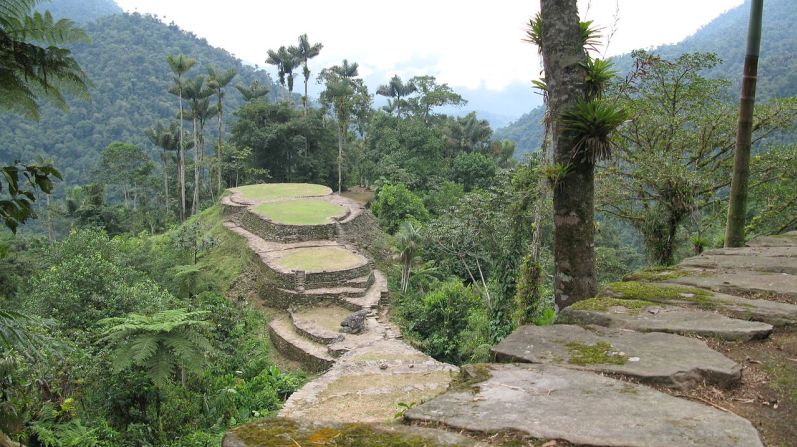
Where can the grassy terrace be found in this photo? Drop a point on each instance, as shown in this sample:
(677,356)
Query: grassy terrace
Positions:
(317,259)
(276,191)
(300,212)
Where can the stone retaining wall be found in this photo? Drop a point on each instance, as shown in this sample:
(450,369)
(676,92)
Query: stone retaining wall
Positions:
(271,231)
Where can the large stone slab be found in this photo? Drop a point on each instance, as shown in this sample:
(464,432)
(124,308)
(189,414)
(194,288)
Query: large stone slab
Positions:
(655,357)
(551,402)
(784,240)
(672,320)
(773,264)
(283,432)
(747,283)
(369,384)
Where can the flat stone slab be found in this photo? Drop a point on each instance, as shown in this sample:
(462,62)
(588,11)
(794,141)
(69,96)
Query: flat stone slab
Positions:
(369,383)
(583,408)
(773,264)
(771,251)
(655,357)
(749,283)
(291,433)
(784,240)
(672,320)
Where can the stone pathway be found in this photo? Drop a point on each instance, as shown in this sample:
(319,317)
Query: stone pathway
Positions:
(582,381)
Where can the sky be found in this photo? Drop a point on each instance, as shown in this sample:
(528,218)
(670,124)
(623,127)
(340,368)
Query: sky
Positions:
(474,46)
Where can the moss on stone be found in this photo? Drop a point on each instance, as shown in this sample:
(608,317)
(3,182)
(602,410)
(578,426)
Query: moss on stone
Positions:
(603,303)
(659,273)
(280,432)
(662,293)
(470,376)
(601,353)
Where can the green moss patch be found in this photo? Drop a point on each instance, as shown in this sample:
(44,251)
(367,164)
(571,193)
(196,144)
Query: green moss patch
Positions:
(602,304)
(601,353)
(662,294)
(276,191)
(300,212)
(658,274)
(280,432)
(319,259)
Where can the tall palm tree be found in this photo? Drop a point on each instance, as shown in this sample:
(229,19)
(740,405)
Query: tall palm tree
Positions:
(286,62)
(737,206)
(217,81)
(33,65)
(168,140)
(198,103)
(180,65)
(253,91)
(306,51)
(396,89)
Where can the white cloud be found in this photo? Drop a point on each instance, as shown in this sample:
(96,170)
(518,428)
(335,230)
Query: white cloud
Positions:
(467,44)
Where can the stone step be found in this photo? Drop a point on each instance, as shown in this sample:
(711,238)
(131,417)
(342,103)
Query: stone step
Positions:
(369,383)
(374,297)
(770,264)
(668,293)
(580,407)
(363,282)
(313,356)
(649,317)
(746,283)
(653,358)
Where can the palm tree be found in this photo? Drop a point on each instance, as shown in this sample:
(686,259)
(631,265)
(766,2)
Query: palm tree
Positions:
(285,61)
(180,65)
(198,103)
(34,65)
(407,241)
(737,206)
(304,52)
(202,111)
(217,81)
(168,140)
(396,89)
(253,91)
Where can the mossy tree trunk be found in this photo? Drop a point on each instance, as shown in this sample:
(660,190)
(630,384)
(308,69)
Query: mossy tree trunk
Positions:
(573,197)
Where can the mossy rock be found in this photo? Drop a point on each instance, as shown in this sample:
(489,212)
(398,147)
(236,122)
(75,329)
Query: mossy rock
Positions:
(281,432)
(658,293)
(660,273)
(600,353)
(604,303)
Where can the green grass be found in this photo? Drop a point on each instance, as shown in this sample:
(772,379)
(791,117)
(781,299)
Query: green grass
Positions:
(300,212)
(602,304)
(663,294)
(227,259)
(317,259)
(275,191)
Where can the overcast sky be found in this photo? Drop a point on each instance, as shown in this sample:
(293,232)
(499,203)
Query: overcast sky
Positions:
(465,43)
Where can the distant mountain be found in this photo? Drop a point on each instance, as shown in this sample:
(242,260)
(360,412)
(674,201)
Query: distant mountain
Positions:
(726,36)
(80,11)
(126,61)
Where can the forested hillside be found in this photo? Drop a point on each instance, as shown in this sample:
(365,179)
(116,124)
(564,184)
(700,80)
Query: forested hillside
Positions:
(81,11)
(126,62)
(724,36)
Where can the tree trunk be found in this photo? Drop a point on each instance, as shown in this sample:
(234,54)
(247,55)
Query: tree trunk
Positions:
(181,161)
(340,157)
(218,146)
(573,197)
(306,78)
(737,208)
(50,232)
(195,199)
(165,183)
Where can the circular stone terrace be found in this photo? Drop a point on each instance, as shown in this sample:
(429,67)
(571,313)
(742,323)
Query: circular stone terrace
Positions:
(269,192)
(301,211)
(318,259)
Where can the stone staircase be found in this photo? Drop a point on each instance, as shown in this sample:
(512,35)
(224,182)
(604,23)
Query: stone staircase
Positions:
(315,277)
